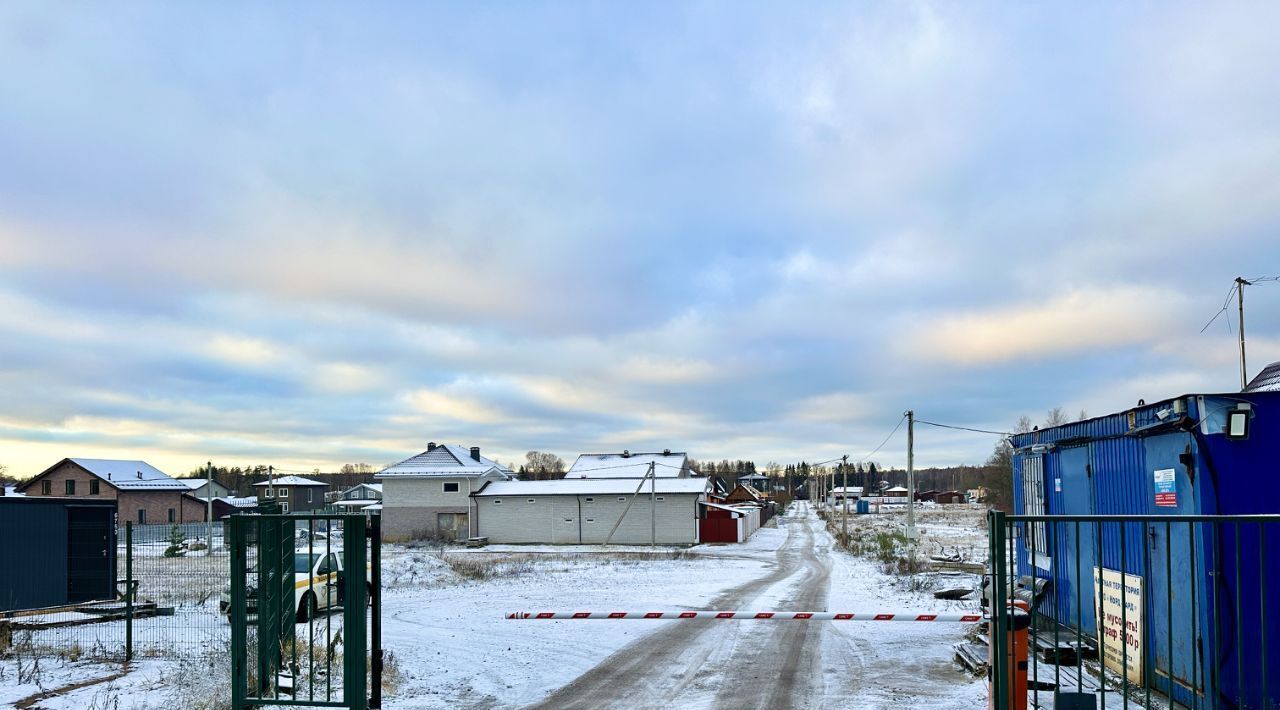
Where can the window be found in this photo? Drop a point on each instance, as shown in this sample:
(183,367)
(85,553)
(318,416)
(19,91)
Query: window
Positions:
(659,498)
(1033,503)
(284,492)
(590,500)
(271,492)
(450,488)
(93,487)
(532,500)
(591,520)
(71,487)
(46,488)
(308,495)
(284,507)
(497,501)
(622,498)
(173,517)
(142,516)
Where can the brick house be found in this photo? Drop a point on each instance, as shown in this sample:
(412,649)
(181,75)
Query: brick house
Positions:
(143,493)
(295,494)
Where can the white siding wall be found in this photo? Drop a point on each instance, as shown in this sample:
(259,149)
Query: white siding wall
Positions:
(555,519)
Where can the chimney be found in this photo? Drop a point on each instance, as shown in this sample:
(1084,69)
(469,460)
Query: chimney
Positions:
(475,453)
(431,446)
(139,475)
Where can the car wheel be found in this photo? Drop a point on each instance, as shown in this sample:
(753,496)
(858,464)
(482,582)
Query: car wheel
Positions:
(307,608)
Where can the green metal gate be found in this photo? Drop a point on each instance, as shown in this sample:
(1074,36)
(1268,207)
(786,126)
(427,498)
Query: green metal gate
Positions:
(305,611)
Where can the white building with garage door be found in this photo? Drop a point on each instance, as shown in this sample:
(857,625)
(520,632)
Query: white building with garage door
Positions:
(429,495)
(603,497)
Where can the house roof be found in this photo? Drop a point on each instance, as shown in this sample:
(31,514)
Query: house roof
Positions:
(606,487)
(667,464)
(246,502)
(123,474)
(371,486)
(1266,381)
(896,489)
(721,506)
(12,491)
(289,481)
(849,489)
(443,460)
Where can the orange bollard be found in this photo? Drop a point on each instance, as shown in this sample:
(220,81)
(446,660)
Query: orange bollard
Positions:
(1019,646)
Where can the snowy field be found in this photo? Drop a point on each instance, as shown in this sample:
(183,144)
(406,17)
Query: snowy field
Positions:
(451,646)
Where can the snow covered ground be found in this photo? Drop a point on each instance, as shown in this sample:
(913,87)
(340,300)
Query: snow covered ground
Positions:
(451,645)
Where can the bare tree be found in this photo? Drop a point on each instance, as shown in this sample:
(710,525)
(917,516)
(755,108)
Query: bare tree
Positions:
(1056,417)
(1083,416)
(1023,425)
(541,465)
(356,468)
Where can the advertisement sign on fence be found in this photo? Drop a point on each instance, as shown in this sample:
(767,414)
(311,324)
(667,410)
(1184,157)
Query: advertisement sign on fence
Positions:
(1118,610)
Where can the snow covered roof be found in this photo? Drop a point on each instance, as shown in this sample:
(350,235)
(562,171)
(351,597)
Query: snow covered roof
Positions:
(376,487)
(852,490)
(12,491)
(289,481)
(668,464)
(356,503)
(247,502)
(130,475)
(606,487)
(444,460)
(1266,381)
(896,489)
(721,506)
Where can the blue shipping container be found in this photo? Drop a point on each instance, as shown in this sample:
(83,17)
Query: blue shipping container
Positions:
(1170,458)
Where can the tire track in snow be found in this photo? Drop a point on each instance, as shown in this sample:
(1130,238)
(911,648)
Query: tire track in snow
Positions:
(689,658)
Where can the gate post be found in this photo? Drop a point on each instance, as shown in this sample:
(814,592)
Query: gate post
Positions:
(128,591)
(237,615)
(355,566)
(375,611)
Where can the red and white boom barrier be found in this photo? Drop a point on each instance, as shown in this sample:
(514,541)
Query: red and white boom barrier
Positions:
(749,615)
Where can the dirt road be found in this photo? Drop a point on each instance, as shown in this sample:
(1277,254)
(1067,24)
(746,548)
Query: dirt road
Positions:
(767,665)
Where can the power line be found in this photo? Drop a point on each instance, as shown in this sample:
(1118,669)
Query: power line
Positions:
(963,428)
(886,439)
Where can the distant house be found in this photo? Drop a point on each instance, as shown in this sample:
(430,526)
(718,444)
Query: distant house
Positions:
(743,494)
(840,493)
(359,497)
(144,493)
(429,495)
(9,491)
(896,492)
(200,488)
(295,494)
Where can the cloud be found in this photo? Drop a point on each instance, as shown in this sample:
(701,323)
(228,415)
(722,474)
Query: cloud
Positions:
(762,233)
(1078,321)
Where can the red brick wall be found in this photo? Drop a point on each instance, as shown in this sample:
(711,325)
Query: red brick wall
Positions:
(156,503)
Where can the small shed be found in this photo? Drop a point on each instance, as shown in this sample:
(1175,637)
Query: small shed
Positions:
(56,551)
(949,497)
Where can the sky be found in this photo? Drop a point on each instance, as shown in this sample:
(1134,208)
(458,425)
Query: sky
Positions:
(312,234)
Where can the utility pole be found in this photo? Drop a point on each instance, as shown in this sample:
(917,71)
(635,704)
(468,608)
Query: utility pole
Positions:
(911,477)
(208,508)
(844,518)
(653,504)
(1240,284)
